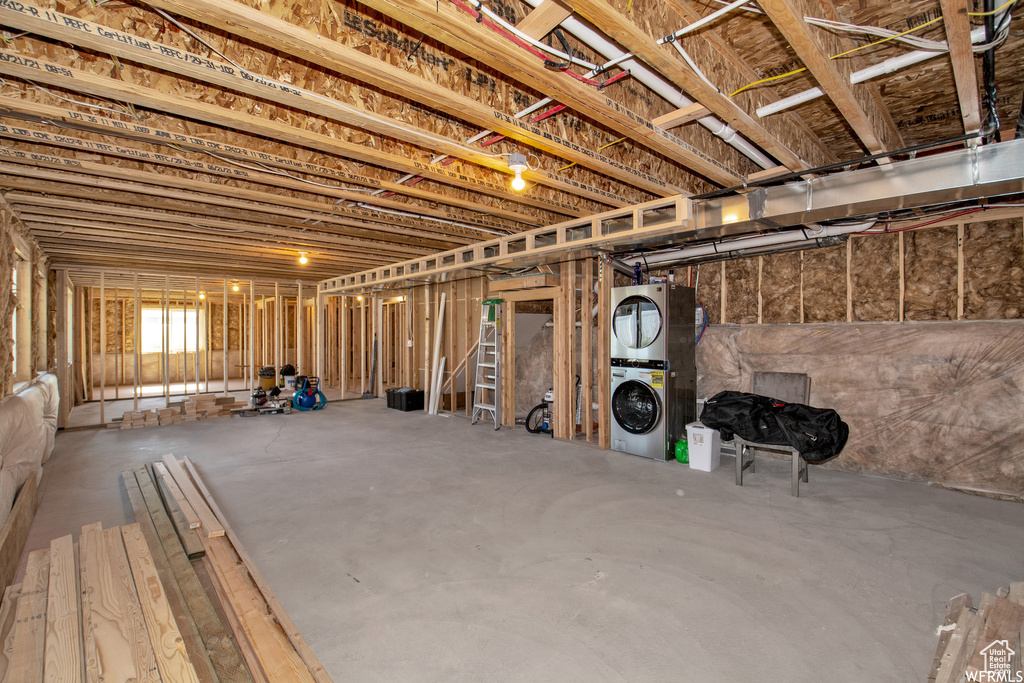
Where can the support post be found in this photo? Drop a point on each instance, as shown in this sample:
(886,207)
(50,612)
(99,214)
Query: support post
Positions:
(278,337)
(586,349)
(299,365)
(224,341)
(604,407)
(136,342)
(252,336)
(103,349)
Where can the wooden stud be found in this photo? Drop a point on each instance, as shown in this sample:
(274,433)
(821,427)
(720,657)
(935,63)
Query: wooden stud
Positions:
(903,278)
(849,279)
(103,350)
(801,286)
(724,296)
(543,19)
(960,271)
(760,293)
(506,317)
(137,343)
(132,623)
(604,378)
(175,500)
(14,533)
(587,349)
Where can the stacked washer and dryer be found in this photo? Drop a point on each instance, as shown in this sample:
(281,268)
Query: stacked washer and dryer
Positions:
(654,373)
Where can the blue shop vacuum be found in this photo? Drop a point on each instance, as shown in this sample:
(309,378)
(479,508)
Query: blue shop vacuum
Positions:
(307,394)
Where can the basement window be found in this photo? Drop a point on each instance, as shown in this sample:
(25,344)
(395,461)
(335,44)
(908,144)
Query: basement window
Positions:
(181,332)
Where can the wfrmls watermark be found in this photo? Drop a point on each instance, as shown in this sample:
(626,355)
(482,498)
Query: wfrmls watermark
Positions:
(998,665)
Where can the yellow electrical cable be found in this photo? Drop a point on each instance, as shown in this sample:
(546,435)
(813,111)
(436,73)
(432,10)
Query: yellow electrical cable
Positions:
(614,142)
(843,54)
(997,9)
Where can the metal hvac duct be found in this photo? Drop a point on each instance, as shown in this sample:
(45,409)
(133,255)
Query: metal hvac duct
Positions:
(984,171)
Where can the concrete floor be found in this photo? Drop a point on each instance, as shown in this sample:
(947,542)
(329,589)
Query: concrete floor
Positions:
(416,548)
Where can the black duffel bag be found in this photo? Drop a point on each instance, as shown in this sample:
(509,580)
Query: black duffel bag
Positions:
(818,433)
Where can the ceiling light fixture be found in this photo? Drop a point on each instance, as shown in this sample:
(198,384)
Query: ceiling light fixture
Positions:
(234,286)
(517,164)
(302,258)
(359,298)
(202,295)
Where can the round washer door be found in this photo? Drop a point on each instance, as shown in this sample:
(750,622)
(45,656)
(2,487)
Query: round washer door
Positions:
(636,322)
(636,407)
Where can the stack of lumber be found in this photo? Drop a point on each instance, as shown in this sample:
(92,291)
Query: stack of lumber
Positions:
(192,409)
(982,644)
(94,611)
(242,632)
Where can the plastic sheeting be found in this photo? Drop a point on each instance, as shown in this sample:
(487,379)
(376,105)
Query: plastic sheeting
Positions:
(925,401)
(28,423)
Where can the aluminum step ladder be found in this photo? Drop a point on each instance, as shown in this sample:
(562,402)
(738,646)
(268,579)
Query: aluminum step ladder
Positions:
(487,396)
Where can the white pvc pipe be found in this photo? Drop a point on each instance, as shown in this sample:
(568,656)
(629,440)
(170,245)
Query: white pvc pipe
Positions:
(805,234)
(887,66)
(657,84)
(702,22)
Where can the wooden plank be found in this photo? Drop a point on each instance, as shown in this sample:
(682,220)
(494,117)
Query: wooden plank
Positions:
(506,393)
(164,637)
(186,534)
(63,652)
(15,530)
(113,651)
(524,282)
(957,605)
(767,173)
(224,654)
(543,19)
(564,368)
(218,598)
(954,659)
(193,644)
(436,354)
(277,657)
(690,112)
(178,498)
(30,621)
(961,54)
(132,623)
(8,611)
(873,127)
(89,653)
(960,271)
(211,526)
(298,642)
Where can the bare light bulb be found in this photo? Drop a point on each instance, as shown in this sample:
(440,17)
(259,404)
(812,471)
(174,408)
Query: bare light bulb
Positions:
(202,295)
(234,287)
(517,164)
(302,258)
(359,298)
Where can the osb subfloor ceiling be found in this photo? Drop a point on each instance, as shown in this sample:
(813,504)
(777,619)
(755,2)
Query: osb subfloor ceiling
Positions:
(225,137)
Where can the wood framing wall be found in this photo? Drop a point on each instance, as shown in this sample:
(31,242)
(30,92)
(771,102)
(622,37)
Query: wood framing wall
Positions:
(19,251)
(406,324)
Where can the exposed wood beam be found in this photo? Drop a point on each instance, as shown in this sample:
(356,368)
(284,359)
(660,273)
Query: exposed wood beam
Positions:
(681,116)
(961,54)
(543,19)
(356,65)
(872,126)
(94,123)
(770,136)
(67,220)
(132,180)
(722,59)
(34,136)
(451,26)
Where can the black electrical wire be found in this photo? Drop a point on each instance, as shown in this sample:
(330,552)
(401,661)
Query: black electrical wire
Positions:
(990,128)
(551,64)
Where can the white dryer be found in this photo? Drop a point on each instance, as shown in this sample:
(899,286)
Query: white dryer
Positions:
(638,408)
(638,322)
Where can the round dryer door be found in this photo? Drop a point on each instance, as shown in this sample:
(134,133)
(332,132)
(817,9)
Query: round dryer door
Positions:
(637,322)
(636,407)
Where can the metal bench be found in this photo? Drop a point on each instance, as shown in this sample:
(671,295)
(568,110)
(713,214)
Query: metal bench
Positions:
(790,387)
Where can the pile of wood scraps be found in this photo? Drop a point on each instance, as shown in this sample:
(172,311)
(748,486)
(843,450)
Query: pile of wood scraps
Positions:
(982,644)
(171,598)
(192,409)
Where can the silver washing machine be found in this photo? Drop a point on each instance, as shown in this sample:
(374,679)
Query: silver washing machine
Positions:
(638,322)
(638,407)
(653,367)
